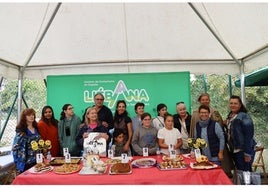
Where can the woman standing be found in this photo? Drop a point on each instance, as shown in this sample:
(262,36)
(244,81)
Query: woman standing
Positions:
(48,129)
(158,121)
(204,99)
(26,132)
(240,129)
(92,125)
(212,133)
(182,121)
(68,130)
(123,121)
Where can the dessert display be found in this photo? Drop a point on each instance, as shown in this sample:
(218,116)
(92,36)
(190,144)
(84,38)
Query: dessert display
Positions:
(40,168)
(90,160)
(144,162)
(113,161)
(61,160)
(120,168)
(203,163)
(67,168)
(93,165)
(177,158)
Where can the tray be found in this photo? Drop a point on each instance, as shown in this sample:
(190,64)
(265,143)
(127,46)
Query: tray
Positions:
(61,160)
(116,173)
(32,170)
(144,162)
(90,171)
(203,167)
(164,169)
(75,169)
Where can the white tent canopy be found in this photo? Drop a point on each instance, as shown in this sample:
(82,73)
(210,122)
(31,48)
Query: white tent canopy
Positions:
(98,38)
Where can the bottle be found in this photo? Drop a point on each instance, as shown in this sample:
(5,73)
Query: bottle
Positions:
(158,151)
(48,156)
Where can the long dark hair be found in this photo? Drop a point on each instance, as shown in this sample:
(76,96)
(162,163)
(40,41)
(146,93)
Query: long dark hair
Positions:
(53,120)
(242,108)
(62,114)
(22,125)
(116,115)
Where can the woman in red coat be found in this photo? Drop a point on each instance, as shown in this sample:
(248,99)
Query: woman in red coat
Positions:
(48,129)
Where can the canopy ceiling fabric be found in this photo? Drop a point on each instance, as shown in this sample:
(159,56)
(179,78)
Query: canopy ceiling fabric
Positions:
(256,78)
(101,38)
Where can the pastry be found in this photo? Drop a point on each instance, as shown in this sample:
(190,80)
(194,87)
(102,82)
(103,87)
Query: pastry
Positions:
(120,168)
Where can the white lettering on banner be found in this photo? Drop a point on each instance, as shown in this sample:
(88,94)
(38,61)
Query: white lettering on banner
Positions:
(111,96)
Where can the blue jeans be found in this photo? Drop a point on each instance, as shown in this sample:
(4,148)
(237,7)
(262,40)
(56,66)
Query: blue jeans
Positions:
(240,163)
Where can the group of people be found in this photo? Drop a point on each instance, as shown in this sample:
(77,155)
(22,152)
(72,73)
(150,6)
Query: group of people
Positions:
(228,142)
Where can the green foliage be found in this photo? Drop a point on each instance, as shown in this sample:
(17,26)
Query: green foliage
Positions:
(34,93)
(219,91)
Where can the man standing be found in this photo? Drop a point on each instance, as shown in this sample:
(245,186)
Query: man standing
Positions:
(105,115)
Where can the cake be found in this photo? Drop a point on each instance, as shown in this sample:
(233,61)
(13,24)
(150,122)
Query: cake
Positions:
(120,168)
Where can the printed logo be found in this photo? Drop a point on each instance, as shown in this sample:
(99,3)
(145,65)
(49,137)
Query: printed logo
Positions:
(111,96)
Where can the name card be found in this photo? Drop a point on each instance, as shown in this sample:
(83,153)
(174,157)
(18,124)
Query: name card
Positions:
(65,151)
(110,153)
(124,158)
(67,158)
(170,147)
(172,154)
(145,152)
(197,153)
(39,158)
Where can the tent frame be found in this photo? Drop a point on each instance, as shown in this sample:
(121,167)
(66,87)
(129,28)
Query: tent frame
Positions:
(239,62)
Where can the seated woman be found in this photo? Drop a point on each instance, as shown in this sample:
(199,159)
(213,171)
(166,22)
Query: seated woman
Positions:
(92,125)
(145,136)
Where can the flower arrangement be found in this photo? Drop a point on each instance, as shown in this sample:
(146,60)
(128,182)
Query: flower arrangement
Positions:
(41,146)
(196,143)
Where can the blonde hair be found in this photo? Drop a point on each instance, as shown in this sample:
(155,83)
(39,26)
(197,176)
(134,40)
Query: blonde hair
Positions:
(87,120)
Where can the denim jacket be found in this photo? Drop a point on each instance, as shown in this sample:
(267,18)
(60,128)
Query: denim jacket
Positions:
(242,130)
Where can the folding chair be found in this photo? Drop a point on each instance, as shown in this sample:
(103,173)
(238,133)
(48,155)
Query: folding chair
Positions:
(259,162)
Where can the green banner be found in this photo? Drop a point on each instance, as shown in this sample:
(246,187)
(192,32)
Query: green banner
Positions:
(149,88)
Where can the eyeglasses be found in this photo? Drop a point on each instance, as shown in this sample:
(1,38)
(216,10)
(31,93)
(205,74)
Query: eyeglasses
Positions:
(70,108)
(181,102)
(99,99)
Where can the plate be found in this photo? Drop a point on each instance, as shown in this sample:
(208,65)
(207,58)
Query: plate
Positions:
(118,173)
(32,170)
(67,169)
(119,158)
(203,167)
(61,160)
(179,168)
(144,162)
(90,171)
(113,161)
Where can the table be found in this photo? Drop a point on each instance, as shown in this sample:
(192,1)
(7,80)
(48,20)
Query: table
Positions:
(145,176)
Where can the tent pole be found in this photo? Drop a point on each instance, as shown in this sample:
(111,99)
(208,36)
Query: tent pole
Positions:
(42,36)
(20,80)
(242,81)
(215,35)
